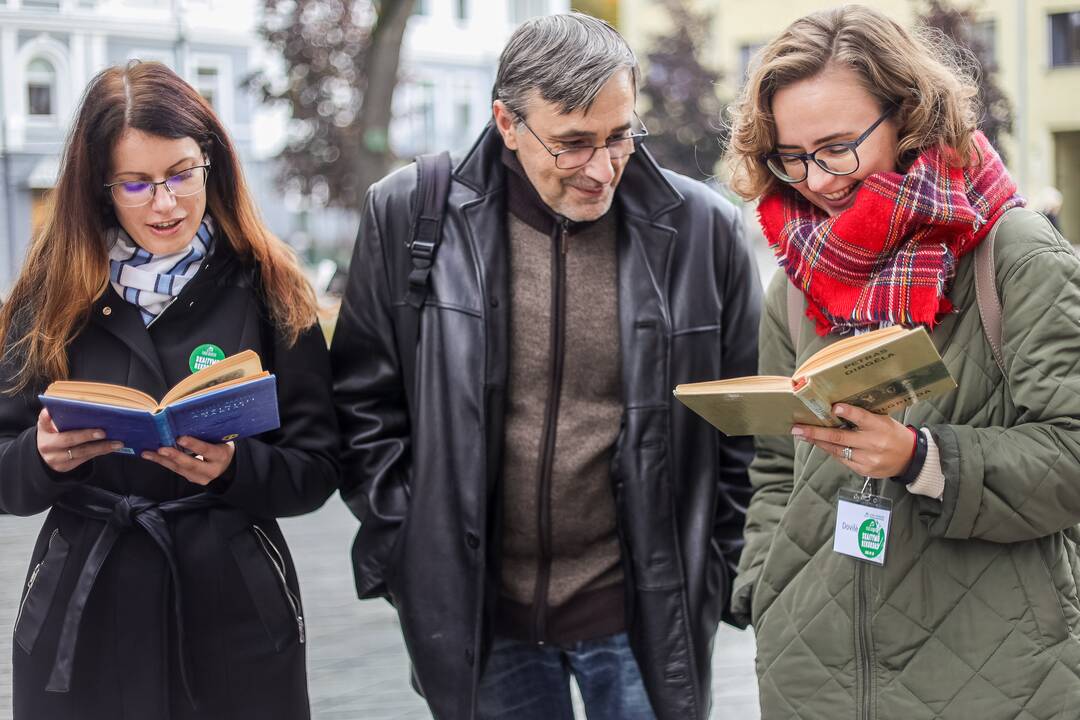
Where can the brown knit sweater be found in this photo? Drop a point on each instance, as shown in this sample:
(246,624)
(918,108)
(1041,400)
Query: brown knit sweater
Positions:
(561,575)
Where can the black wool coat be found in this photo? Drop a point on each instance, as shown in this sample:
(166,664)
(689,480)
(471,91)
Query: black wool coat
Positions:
(241,617)
(426,485)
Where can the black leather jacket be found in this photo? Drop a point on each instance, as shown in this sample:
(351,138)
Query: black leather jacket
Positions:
(425,488)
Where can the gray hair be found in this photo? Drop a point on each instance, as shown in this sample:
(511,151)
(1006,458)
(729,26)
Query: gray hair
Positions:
(566,59)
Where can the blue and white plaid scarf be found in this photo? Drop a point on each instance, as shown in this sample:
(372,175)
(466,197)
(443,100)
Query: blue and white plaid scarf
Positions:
(152,282)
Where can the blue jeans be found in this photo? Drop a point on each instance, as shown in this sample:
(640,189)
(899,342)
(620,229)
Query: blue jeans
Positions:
(530,682)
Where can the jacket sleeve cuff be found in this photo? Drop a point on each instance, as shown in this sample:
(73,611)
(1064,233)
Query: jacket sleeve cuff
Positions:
(34,485)
(955,514)
(742,595)
(221,484)
(230,485)
(930,481)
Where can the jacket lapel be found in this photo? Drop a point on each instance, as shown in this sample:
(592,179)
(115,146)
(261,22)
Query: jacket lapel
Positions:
(122,319)
(482,209)
(645,244)
(478,199)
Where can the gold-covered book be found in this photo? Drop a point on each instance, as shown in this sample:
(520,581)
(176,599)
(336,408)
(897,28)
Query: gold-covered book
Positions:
(880,371)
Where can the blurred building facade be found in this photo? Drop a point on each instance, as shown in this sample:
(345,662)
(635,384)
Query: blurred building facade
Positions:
(450,54)
(50,49)
(1036,46)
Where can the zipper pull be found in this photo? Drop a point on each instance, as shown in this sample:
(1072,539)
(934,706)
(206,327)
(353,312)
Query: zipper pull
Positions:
(564,236)
(303,630)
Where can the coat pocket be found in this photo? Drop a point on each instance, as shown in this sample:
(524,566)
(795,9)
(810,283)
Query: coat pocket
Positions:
(40,591)
(1041,593)
(266,575)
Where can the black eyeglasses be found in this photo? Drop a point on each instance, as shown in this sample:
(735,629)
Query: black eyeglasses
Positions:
(577,155)
(136,193)
(835,159)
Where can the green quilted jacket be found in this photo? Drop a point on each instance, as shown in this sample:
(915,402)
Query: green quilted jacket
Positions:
(975,614)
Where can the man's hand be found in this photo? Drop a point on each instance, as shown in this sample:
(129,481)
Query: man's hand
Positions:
(207,465)
(880,446)
(65,451)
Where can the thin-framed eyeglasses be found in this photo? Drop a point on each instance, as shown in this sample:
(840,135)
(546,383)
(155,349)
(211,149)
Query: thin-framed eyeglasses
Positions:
(834,158)
(135,193)
(577,156)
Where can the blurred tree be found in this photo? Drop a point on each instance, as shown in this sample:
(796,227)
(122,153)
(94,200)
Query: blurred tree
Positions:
(607,10)
(959,24)
(340,62)
(683,110)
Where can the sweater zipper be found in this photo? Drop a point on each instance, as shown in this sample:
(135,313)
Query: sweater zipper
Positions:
(547,440)
(863,638)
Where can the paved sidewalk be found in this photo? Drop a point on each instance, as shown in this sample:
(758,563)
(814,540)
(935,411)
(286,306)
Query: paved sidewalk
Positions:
(357,667)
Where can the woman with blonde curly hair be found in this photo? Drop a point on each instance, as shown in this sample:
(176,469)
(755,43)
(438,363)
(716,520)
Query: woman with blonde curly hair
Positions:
(881,200)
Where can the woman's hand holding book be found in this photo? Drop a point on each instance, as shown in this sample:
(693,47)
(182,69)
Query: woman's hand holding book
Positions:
(65,451)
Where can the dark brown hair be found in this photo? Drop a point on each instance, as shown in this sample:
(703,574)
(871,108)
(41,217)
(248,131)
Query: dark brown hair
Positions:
(67,265)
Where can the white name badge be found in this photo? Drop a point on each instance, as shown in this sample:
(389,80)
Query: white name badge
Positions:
(862,526)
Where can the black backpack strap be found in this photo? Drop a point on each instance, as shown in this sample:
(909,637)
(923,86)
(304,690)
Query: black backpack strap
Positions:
(432,189)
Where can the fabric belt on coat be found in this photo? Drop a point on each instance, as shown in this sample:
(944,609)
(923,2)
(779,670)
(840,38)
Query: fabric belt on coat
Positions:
(120,514)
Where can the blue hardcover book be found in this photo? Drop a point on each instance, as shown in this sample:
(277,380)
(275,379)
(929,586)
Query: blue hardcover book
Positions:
(232,399)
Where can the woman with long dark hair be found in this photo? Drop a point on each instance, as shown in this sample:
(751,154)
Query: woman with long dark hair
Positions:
(923,565)
(160,586)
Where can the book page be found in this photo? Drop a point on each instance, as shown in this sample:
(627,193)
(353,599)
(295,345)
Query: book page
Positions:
(101,393)
(750,412)
(752,383)
(850,347)
(232,369)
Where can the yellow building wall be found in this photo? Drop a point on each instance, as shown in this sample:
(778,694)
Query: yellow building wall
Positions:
(1046,101)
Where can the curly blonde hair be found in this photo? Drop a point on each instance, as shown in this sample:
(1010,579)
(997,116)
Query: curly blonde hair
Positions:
(928,79)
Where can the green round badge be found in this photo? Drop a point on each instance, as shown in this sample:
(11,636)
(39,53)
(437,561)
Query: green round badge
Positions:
(871,538)
(204,356)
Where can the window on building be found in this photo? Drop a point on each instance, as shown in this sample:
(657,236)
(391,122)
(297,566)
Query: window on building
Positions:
(40,88)
(206,83)
(462,120)
(984,33)
(41,4)
(1065,39)
(425,114)
(420,7)
(522,10)
(462,7)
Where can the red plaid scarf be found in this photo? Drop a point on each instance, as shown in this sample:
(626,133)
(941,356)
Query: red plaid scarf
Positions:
(891,257)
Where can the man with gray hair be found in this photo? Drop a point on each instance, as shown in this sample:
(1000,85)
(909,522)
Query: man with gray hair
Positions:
(532,499)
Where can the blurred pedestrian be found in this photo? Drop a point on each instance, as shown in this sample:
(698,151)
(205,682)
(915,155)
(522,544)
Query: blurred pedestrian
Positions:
(160,586)
(544,508)
(876,190)
(1048,201)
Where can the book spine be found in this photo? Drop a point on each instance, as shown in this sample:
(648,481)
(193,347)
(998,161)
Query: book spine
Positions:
(165,429)
(820,406)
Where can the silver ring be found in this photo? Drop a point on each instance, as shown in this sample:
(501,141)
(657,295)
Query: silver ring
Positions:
(846,454)
(70,456)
